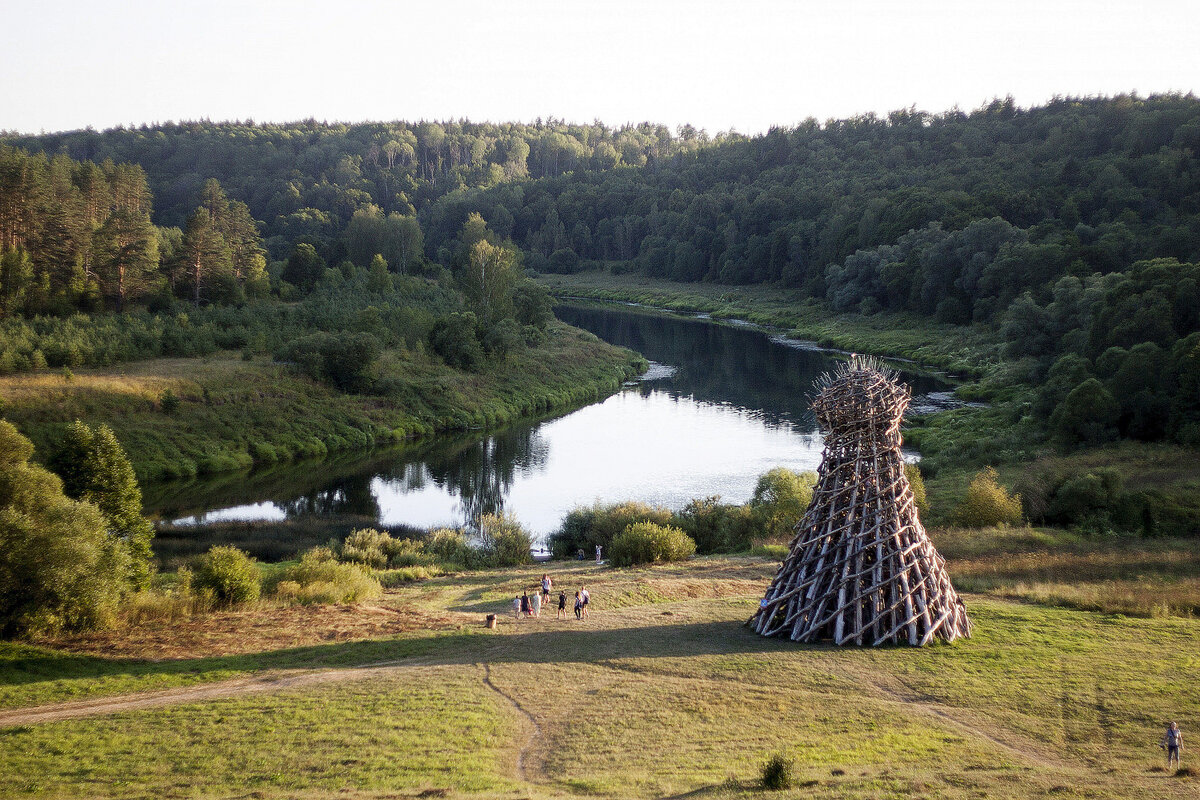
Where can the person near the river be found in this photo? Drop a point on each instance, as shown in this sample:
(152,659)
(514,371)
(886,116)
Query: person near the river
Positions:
(587,598)
(578,606)
(535,603)
(517,606)
(1172,741)
(562,605)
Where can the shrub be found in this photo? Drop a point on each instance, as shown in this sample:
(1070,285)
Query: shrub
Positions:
(987,503)
(59,569)
(716,527)
(320,578)
(780,499)
(346,361)
(368,547)
(917,484)
(504,542)
(453,338)
(168,401)
(585,527)
(777,772)
(648,543)
(378,550)
(448,546)
(230,574)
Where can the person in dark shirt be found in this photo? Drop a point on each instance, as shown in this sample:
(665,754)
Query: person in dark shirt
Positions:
(1172,741)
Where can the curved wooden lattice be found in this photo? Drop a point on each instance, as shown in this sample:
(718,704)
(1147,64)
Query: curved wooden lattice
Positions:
(861,569)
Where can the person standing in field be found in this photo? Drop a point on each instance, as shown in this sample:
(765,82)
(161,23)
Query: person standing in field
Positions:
(525,604)
(536,605)
(1172,741)
(562,605)
(517,607)
(587,598)
(547,585)
(578,606)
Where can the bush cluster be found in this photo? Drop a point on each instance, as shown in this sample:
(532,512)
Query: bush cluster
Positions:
(232,576)
(987,503)
(648,543)
(321,578)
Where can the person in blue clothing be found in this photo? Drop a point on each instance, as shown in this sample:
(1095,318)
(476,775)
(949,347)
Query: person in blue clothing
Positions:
(1172,741)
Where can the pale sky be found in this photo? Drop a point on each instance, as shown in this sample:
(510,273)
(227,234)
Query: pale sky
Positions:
(735,64)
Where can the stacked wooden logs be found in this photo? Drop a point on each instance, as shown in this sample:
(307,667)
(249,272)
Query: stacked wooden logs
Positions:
(861,569)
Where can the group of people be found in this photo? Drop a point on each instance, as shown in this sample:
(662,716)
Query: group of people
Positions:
(525,605)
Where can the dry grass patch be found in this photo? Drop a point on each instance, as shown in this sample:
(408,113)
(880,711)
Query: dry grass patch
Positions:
(263,627)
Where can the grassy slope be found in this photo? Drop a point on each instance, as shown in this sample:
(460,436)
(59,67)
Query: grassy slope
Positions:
(259,411)
(662,692)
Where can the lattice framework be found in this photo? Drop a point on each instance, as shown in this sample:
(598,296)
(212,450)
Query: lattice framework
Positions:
(861,569)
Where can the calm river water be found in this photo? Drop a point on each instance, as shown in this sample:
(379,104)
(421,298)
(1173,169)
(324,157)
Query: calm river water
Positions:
(721,405)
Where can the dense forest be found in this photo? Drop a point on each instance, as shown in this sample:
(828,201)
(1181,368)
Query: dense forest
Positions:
(1072,229)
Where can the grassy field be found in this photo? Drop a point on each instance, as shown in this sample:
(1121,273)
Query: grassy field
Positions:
(662,693)
(233,413)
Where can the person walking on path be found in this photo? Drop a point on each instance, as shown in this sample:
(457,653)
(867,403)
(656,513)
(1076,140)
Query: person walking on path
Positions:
(587,598)
(536,604)
(578,606)
(517,607)
(562,605)
(1172,741)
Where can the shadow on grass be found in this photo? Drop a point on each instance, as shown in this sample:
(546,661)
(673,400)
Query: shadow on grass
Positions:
(583,644)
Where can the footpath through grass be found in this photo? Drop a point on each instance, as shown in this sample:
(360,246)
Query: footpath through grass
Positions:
(663,692)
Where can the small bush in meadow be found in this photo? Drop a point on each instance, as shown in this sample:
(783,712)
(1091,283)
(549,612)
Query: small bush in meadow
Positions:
(168,401)
(230,574)
(321,578)
(917,484)
(648,543)
(505,542)
(988,503)
(777,772)
(366,546)
(448,546)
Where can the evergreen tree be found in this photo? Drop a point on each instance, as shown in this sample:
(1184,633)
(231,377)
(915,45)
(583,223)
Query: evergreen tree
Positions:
(94,468)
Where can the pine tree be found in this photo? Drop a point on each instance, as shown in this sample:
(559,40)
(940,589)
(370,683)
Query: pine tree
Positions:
(94,468)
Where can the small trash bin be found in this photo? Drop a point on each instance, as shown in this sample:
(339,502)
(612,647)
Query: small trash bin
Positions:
(491,620)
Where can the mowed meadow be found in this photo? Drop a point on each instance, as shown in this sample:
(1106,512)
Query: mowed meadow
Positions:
(1082,650)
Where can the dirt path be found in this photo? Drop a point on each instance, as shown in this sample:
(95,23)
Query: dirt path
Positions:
(237,687)
(535,732)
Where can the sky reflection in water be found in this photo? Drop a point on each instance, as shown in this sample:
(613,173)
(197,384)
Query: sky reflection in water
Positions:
(734,406)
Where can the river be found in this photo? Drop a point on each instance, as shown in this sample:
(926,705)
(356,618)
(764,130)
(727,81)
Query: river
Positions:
(721,405)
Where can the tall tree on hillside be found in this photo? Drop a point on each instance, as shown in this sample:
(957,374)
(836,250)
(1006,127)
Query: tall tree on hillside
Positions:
(487,280)
(126,249)
(205,256)
(16,279)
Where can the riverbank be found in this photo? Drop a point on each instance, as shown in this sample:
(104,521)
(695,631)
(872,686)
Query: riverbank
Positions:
(230,413)
(969,351)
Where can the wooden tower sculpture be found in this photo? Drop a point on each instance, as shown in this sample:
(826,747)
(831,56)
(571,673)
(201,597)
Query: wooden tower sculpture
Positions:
(861,569)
